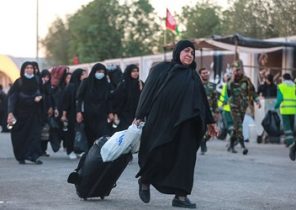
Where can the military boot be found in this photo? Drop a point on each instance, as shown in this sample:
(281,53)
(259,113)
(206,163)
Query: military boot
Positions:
(231,146)
(242,143)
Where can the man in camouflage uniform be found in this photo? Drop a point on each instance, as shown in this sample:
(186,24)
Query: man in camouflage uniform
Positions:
(240,93)
(212,96)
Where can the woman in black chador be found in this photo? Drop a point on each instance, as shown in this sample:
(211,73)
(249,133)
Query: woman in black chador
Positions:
(93,105)
(174,105)
(24,107)
(69,109)
(126,97)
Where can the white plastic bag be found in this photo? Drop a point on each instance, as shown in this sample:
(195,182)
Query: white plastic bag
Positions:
(113,148)
(122,142)
(133,137)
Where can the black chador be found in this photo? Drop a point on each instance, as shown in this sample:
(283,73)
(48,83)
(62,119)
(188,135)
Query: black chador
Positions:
(176,111)
(25,134)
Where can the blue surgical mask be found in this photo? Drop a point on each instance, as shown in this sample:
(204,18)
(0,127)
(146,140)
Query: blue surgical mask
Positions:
(28,76)
(99,75)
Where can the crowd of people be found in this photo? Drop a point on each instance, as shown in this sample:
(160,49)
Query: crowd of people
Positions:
(45,107)
(179,104)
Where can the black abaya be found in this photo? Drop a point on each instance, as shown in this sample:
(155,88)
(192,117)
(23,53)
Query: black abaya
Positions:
(177,111)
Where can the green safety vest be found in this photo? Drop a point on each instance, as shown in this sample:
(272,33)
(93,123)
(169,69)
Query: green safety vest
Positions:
(225,107)
(288,105)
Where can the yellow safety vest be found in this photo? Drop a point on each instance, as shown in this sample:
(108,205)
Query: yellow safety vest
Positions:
(221,100)
(288,105)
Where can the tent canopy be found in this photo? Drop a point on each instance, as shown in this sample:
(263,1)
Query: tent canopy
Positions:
(238,43)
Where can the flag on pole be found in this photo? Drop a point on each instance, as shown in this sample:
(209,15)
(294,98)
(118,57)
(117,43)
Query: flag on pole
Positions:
(171,23)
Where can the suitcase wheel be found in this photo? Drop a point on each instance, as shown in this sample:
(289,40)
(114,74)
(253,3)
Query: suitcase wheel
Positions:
(102,197)
(85,199)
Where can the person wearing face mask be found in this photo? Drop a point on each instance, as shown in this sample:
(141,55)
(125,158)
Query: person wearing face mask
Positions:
(240,93)
(176,112)
(24,115)
(93,104)
(126,96)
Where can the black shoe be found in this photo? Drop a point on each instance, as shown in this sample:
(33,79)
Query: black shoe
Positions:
(144,194)
(73,178)
(183,204)
(22,162)
(292,153)
(37,162)
(45,154)
(245,151)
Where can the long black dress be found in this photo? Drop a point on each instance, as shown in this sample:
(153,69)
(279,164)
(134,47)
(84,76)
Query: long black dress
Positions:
(93,100)
(125,98)
(69,105)
(176,111)
(25,134)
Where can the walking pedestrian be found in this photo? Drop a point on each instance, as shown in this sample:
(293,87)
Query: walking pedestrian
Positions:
(24,114)
(69,110)
(240,93)
(126,96)
(177,114)
(286,101)
(93,105)
(212,96)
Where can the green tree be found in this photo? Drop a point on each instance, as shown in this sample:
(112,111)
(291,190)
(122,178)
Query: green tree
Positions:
(251,18)
(96,31)
(141,32)
(284,17)
(201,21)
(56,43)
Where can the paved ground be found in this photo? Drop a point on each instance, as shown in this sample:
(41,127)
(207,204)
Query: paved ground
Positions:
(264,179)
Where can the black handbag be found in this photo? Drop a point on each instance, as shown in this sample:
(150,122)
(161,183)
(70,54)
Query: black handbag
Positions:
(80,141)
(272,123)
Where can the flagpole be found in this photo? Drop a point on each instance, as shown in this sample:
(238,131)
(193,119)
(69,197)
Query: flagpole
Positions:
(164,43)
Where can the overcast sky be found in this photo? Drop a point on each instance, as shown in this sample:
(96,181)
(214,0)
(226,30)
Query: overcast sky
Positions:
(18,20)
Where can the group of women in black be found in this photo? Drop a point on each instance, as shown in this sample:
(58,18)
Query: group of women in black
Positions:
(53,98)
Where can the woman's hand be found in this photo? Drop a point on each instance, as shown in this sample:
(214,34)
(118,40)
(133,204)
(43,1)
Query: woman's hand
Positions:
(137,121)
(37,99)
(213,130)
(110,117)
(10,119)
(79,117)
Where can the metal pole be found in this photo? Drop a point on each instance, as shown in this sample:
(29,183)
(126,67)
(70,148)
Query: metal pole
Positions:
(37,31)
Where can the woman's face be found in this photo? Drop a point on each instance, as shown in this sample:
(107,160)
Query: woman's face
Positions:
(29,69)
(186,56)
(83,75)
(68,78)
(135,73)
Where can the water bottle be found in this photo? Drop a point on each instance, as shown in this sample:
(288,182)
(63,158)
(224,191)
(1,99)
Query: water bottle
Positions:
(10,126)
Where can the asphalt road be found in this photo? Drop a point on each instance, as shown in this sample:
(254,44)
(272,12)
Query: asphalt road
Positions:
(264,179)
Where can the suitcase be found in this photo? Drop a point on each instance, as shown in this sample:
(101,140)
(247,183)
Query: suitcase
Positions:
(96,178)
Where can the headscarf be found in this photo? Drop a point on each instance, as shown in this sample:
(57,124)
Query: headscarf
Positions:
(91,80)
(181,45)
(75,78)
(28,86)
(45,73)
(128,71)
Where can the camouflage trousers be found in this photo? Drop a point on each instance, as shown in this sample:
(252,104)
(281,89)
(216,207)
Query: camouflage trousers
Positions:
(237,132)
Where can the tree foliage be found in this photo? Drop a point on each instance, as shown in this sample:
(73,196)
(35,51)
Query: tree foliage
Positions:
(108,29)
(57,42)
(201,21)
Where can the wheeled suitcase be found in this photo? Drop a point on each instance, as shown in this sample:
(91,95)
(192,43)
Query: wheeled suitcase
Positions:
(96,178)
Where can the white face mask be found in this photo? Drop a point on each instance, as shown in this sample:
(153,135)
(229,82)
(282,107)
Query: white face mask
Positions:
(28,76)
(99,75)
